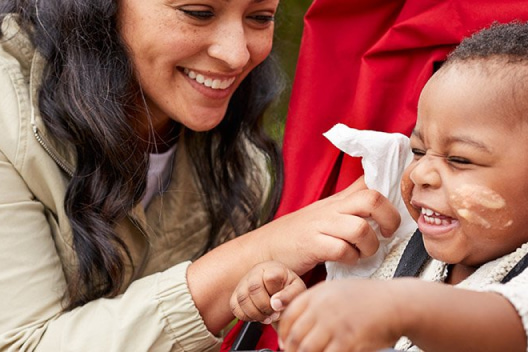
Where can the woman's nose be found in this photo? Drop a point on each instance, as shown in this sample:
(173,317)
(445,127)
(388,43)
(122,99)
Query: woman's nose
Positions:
(230,46)
(425,172)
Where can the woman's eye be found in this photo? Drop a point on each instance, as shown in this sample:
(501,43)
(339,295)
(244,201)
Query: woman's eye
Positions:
(262,19)
(198,14)
(458,160)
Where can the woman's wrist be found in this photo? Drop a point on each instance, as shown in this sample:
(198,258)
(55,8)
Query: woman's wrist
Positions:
(222,269)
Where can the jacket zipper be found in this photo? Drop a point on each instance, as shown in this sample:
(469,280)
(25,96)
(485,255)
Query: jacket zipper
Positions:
(48,150)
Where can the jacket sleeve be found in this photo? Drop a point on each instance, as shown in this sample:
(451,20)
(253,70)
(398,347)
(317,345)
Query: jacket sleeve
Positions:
(155,313)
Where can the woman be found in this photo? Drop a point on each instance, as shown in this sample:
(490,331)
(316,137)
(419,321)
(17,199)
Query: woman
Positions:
(131,143)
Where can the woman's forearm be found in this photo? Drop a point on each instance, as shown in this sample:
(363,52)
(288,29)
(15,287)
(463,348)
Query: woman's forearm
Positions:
(334,229)
(213,277)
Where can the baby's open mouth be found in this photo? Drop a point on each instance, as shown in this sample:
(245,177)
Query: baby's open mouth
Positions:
(434,218)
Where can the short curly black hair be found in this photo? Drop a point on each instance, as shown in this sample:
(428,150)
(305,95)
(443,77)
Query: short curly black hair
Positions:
(504,41)
(499,51)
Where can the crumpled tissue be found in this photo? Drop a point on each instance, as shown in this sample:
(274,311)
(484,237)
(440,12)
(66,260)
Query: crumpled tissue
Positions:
(384,158)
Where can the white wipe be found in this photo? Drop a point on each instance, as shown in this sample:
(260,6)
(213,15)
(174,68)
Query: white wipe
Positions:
(384,158)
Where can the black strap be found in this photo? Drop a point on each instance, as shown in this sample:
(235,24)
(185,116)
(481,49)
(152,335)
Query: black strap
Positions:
(413,258)
(516,270)
(248,337)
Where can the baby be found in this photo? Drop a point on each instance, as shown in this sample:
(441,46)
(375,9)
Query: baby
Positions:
(467,190)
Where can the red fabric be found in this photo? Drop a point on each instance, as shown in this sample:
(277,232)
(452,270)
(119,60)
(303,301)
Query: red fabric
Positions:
(364,63)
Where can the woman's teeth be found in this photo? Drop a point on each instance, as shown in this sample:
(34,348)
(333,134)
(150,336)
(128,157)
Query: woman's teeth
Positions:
(433,218)
(209,82)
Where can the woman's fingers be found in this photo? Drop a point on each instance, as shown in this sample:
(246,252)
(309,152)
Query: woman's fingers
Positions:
(336,228)
(372,204)
(355,231)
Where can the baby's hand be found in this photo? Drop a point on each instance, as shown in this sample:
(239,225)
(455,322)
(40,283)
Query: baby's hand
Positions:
(265,291)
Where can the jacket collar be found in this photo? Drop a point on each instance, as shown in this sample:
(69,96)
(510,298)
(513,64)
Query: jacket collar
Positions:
(62,152)
(32,64)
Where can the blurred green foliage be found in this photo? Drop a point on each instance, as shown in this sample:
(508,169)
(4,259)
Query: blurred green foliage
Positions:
(288,32)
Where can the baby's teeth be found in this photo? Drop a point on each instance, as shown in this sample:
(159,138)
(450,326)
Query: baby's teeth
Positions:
(200,79)
(427,212)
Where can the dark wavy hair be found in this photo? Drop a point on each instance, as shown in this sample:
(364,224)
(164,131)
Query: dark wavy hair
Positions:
(88,97)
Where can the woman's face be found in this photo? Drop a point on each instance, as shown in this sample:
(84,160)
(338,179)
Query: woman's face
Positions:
(467,186)
(191,55)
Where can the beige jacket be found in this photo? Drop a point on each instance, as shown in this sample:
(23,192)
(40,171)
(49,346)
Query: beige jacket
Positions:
(156,312)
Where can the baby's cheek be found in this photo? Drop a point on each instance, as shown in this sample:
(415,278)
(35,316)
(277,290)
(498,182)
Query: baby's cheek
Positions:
(406,187)
(481,206)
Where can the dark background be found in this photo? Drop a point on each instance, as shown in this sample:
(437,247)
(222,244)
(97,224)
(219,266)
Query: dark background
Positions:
(288,31)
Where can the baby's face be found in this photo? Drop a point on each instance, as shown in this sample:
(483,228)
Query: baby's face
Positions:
(467,186)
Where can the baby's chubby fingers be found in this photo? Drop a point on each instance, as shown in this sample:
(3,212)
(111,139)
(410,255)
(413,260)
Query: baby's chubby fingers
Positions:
(242,307)
(251,298)
(291,332)
(283,298)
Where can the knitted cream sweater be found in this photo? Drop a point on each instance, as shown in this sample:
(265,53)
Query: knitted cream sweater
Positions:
(486,278)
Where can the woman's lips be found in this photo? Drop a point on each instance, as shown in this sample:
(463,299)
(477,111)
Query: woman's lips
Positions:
(210,82)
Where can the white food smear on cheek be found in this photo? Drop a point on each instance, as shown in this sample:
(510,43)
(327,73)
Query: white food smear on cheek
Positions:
(480,206)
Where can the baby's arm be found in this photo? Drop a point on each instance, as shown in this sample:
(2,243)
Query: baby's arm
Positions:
(265,291)
(350,315)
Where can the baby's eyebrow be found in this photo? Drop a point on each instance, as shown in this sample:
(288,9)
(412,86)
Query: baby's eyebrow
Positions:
(468,140)
(415,132)
(458,139)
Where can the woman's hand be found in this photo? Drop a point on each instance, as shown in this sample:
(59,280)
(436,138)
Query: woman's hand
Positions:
(264,292)
(331,229)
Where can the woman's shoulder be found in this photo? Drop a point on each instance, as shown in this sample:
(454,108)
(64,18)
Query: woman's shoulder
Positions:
(16,56)
(16,50)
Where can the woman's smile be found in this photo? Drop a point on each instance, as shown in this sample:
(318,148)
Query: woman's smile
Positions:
(202,53)
(211,86)
(209,81)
